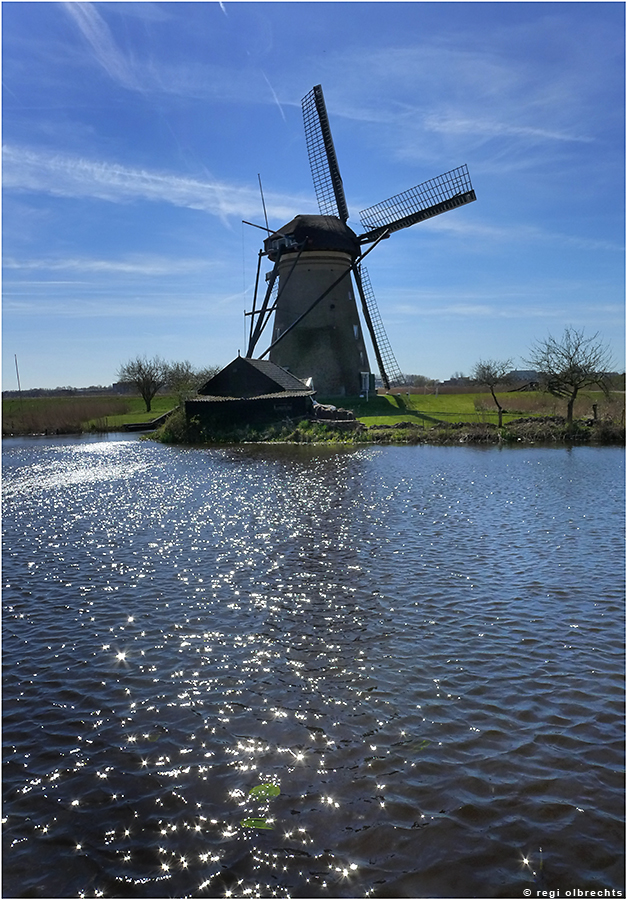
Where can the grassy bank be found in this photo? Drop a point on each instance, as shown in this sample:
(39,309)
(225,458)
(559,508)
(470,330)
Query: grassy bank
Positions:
(394,429)
(530,430)
(383,418)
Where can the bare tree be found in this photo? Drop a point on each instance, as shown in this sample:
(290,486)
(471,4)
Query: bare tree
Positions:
(182,379)
(570,364)
(147,375)
(422,381)
(185,380)
(490,373)
(202,376)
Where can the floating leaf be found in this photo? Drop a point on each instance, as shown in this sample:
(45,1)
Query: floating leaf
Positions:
(256,823)
(415,746)
(263,791)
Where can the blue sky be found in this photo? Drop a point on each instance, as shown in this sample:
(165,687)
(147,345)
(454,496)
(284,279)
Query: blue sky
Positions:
(134,134)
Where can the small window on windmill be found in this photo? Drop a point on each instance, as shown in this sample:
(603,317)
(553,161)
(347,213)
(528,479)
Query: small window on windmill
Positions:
(286,241)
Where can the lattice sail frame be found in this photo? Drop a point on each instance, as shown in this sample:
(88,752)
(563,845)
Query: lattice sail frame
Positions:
(322,159)
(428,199)
(391,374)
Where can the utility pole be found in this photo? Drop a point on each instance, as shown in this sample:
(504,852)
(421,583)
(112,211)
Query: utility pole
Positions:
(19,387)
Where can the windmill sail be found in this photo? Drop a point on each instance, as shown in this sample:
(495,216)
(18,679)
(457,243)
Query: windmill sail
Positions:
(322,159)
(438,195)
(388,367)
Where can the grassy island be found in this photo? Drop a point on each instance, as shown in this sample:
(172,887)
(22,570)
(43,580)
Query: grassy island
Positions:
(416,418)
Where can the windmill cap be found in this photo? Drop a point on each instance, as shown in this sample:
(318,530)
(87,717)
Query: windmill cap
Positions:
(317,233)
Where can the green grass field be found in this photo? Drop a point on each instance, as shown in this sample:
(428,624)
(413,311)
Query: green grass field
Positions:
(423,409)
(429,409)
(65,415)
(137,411)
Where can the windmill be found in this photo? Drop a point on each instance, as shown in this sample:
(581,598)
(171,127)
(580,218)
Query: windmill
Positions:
(317,330)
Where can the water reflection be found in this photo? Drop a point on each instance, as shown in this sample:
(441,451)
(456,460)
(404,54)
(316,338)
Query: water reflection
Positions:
(406,642)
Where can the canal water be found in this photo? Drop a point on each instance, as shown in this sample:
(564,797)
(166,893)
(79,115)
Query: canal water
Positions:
(283,671)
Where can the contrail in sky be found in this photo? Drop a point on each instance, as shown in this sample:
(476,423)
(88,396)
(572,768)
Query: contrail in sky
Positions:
(276,99)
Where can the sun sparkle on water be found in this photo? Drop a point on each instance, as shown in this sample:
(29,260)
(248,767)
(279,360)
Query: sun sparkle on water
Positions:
(312,658)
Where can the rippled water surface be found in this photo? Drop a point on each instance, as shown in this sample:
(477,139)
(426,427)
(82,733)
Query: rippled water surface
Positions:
(420,647)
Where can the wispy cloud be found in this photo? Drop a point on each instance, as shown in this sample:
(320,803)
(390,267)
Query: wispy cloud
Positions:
(136,265)
(480,100)
(107,305)
(147,11)
(63,175)
(492,129)
(517,233)
(153,76)
(422,307)
(97,33)
(542,300)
